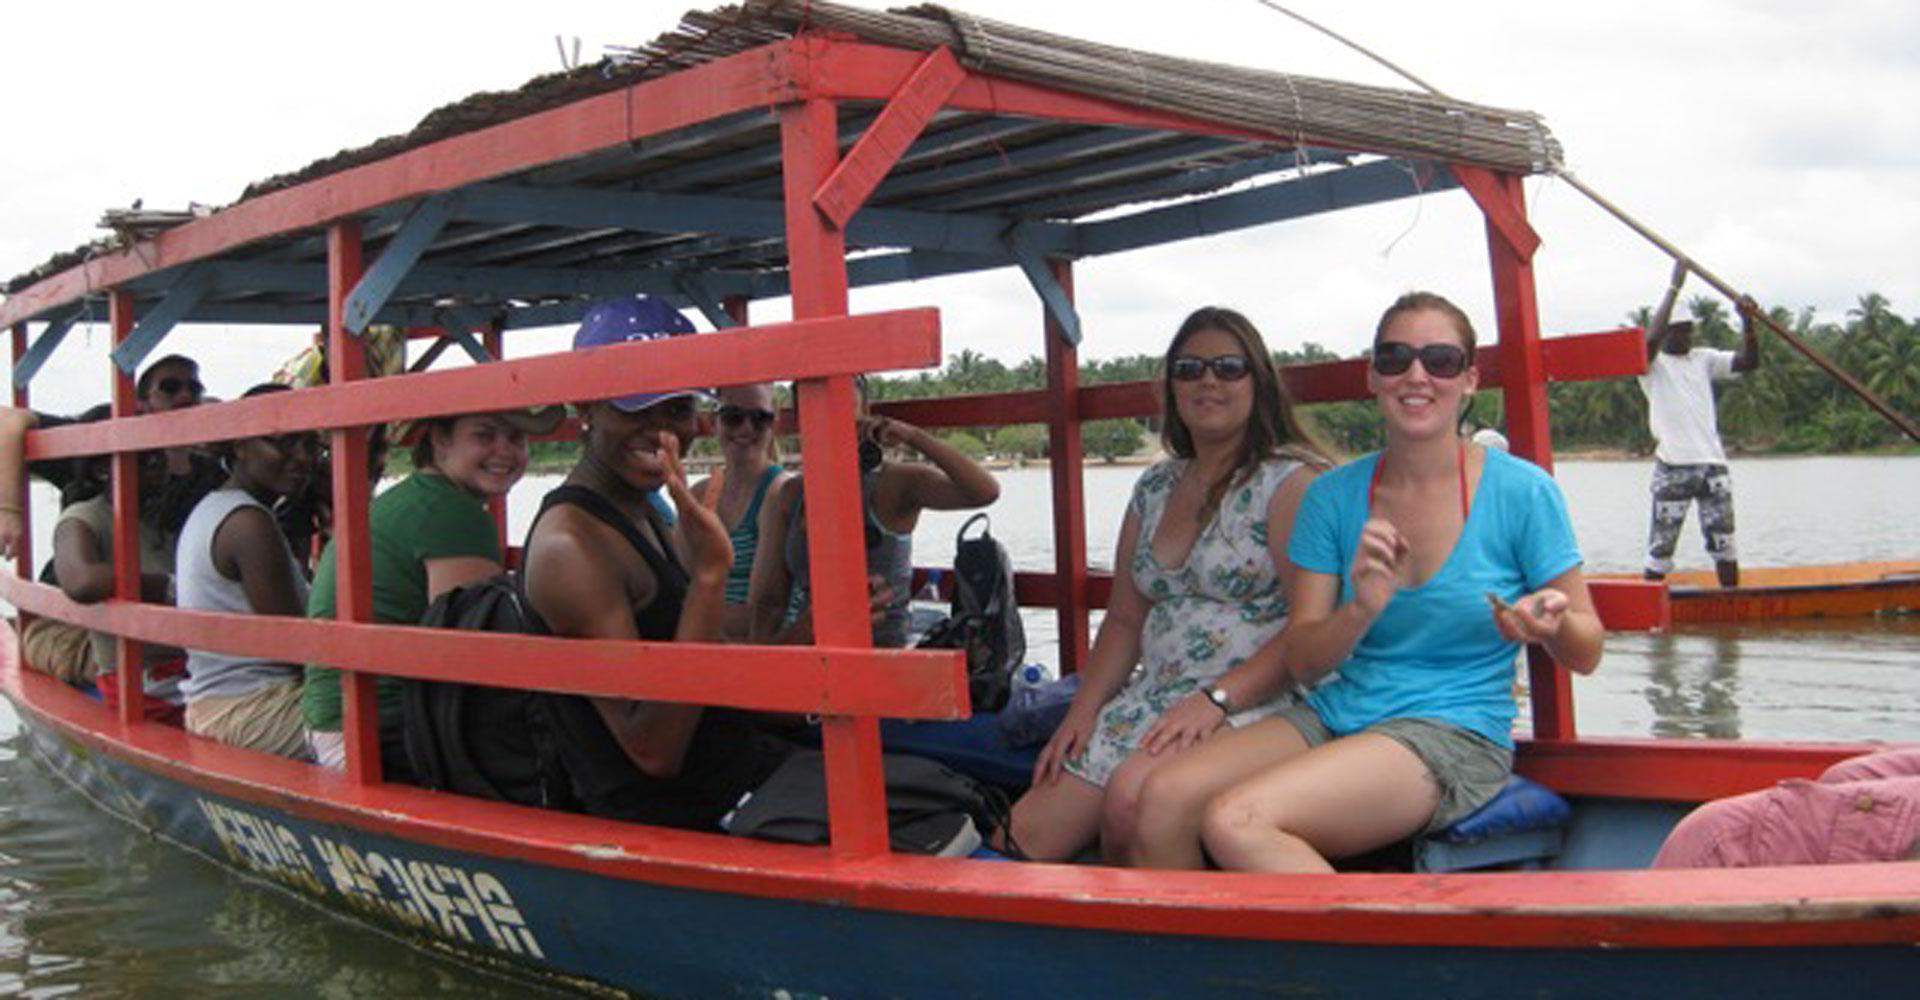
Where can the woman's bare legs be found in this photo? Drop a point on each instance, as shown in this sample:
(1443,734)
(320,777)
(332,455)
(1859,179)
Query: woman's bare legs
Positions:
(1163,828)
(1333,801)
(1053,821)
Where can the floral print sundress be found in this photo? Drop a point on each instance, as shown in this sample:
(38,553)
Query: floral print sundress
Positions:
(1205,616)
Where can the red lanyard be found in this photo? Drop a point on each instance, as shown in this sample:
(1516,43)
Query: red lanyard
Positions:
(1373,485)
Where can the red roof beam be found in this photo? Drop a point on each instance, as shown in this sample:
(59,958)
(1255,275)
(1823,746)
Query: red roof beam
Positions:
(753,79)
(907,114)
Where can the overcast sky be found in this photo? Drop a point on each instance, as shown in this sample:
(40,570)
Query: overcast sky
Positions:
(1775,140)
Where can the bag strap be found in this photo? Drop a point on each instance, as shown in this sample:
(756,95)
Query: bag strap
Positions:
(663,564)
(961,535)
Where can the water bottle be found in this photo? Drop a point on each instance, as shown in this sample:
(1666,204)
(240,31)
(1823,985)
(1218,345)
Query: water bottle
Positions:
(1036,705)
(1028,682)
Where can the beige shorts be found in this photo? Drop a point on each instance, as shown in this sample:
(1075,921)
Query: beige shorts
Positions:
(1467,768)
(64,651)
(268,719)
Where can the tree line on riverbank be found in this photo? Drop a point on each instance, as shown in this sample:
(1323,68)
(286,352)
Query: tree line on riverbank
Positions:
(1787,406)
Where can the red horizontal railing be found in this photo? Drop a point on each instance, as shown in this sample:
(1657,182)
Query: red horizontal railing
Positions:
(806,349)
(908,684)
(1578,357)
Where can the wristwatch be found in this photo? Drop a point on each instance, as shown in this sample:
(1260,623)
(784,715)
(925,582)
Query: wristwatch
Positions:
(1218,697)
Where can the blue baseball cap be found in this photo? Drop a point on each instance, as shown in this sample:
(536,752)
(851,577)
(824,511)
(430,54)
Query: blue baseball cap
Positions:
(631,318)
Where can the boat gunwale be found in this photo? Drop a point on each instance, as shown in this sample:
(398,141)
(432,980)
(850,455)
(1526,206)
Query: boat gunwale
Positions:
(1845,904)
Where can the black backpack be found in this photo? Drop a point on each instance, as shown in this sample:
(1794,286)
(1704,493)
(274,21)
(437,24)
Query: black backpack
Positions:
(983,619)
(539,748)
(931,808)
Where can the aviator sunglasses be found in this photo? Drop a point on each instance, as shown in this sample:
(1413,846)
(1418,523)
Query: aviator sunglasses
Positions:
(734,416)
(1226,368)
(1391,357)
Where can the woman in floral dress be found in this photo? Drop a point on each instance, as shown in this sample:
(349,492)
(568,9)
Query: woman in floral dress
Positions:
(1199,592)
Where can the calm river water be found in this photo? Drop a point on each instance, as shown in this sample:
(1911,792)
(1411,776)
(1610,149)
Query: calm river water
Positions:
(90,907)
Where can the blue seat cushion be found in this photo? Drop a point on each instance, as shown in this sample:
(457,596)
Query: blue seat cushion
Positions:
(1522,806)
(971,746)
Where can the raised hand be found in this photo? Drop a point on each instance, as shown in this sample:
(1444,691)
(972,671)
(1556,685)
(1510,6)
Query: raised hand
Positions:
(708,546)
(1382,564)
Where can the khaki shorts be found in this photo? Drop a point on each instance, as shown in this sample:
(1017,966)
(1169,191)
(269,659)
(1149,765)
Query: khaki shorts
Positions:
(1467,768)
(57,648)
(268,720)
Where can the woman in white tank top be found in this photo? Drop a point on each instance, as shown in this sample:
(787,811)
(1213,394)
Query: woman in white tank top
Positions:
(233,558)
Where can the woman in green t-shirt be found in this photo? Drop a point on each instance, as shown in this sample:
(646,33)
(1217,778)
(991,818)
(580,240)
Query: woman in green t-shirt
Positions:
(430,533)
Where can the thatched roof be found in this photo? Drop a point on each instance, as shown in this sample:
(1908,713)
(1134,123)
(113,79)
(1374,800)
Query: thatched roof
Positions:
(1296,111)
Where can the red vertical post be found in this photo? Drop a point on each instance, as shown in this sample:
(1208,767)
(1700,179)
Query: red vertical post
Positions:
(23,552)
(491,339)
(856,793)
(352,548)
(736,307)
(1524,373)
(1065,460)
(130,677)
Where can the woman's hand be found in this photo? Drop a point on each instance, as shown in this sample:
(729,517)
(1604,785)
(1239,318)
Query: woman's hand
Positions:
(708,547)
(1536,617)
(1190,720)
(887,432)
(1075,732)
(1382,564)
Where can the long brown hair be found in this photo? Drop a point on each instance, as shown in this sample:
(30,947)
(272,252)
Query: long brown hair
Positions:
(1273,429)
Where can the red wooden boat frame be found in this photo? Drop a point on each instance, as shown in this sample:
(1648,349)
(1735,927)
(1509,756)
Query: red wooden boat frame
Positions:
(849,685)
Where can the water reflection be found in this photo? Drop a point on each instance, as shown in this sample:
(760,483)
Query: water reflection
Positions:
(91,907)
(1693,686)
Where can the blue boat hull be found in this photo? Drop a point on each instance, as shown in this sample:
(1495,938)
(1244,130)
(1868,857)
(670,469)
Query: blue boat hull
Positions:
(671,942)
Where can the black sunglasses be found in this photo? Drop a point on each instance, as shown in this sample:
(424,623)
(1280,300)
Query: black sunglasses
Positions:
(1391,357)
(733,416)
(170,386)
(1226,368)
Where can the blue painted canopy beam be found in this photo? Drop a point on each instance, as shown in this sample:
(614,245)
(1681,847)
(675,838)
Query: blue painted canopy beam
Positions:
(1058,303)
(402,252)
(1184,184)
(646,211)
(699,291)
(1115,167)
(43,348)
(1383,180)
(192,285)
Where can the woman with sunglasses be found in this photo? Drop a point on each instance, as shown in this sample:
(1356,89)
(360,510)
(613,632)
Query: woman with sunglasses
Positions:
(745,423)
(894,494)
(1200,593)
(233,558)
(1420,571)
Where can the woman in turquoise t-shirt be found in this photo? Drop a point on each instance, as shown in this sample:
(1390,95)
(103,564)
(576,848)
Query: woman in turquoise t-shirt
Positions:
(1419,573)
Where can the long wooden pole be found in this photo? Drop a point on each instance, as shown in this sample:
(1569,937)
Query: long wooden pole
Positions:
(1898,419)
(1895,417)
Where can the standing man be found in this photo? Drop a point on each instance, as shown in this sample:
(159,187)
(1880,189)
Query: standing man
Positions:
(1689,463)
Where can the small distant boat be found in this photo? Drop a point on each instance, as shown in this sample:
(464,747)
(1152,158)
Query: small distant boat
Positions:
(1834,590)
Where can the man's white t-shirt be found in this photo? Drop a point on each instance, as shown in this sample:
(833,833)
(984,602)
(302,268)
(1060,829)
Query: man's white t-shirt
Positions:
(1680,409)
